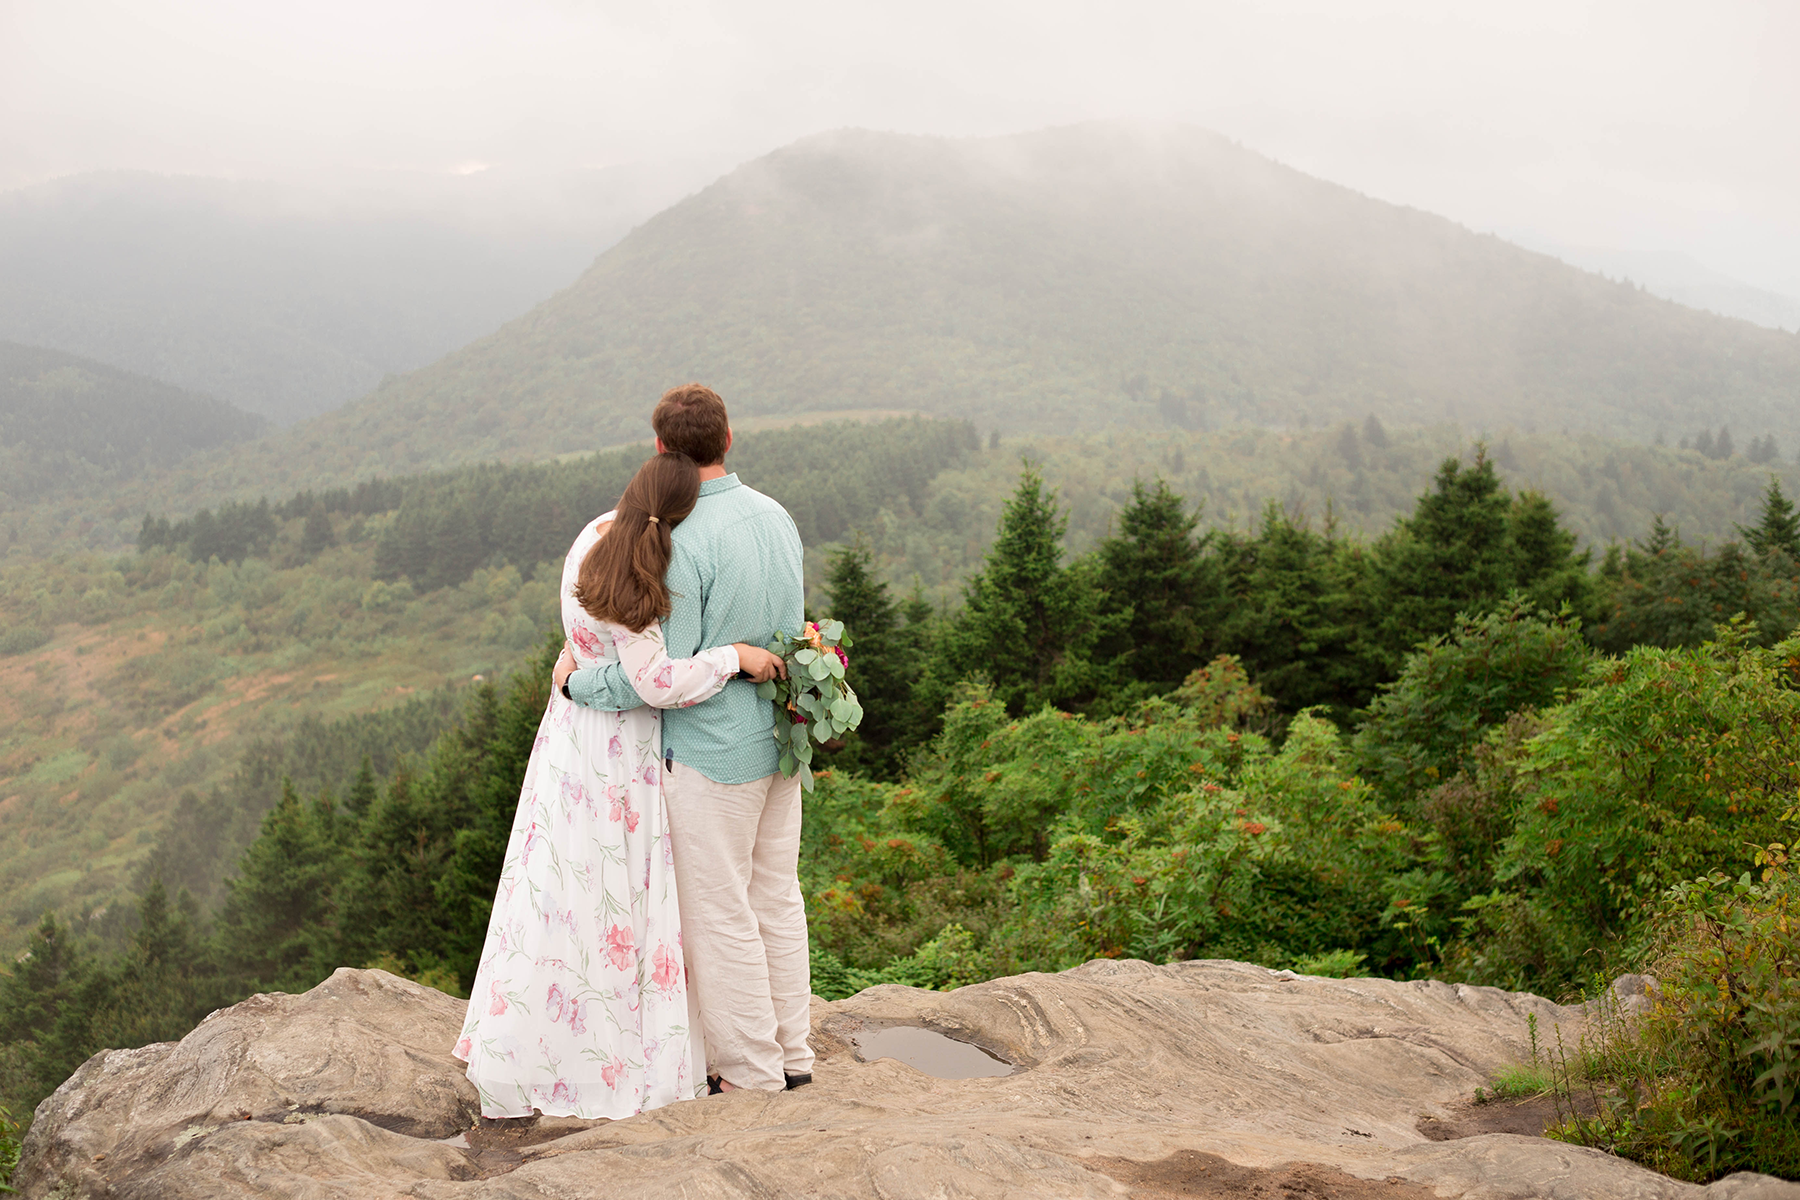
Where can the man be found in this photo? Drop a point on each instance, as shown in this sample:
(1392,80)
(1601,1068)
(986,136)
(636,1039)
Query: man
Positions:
(735,576)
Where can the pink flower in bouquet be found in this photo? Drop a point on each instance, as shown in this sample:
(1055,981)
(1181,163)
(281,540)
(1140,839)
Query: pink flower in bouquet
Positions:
(842,657)
(621,951)
(553,1003)
(668,968)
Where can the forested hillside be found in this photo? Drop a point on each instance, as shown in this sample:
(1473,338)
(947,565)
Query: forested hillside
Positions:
(1079,278)
(284,302)
(70,426)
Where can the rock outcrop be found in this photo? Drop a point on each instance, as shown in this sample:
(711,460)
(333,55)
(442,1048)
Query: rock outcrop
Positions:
(1194,1079)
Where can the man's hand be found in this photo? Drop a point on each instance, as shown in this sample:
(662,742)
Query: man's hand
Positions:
(565,667)
(759,664)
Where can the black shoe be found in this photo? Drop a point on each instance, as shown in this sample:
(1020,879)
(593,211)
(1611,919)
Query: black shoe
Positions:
(794,1081)
(714,1085)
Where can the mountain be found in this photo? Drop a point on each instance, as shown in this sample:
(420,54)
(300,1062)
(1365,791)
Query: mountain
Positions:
(288,300)
(1677,277)
(1095,276)
(69,423)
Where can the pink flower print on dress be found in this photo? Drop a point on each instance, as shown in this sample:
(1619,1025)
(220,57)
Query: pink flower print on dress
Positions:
(620,808)
(553,1003)
(614,747)
(668,968)
(620,950)
(539,742)
(533,838)
(649,774)
(578,1016)
(496,1001)
(612,1072)
(464,1047)
(575,796)
(585,641)
(664,677)
(564,1093)
(565,713)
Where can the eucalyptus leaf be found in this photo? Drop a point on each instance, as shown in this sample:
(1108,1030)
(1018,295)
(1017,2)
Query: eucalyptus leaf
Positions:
(806,656)
(820,668)
(803,750)
(834,666)
(841,709)
(766,689)
(806,778)
(788,763)
(833,630)
(823,732)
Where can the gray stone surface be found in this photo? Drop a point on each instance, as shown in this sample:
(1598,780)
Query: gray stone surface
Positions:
(349,1091)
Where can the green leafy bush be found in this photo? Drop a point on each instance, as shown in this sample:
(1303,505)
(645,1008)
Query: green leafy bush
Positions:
(22,639)
(1669,764)
(1708,1082)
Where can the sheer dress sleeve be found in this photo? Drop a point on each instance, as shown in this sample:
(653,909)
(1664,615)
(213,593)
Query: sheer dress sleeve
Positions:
(664,682)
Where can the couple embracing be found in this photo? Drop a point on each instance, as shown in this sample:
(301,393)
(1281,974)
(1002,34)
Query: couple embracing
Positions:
(648,939)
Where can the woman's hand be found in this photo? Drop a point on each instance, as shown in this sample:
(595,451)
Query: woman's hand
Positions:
(761,665)
(565,667)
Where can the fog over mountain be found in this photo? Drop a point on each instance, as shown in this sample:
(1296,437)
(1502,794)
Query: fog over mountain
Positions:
(1102,275)
(288,300)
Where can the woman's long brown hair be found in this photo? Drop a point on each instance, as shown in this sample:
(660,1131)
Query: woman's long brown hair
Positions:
(621,577)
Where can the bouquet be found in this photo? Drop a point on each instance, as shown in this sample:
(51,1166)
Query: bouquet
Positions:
(814,699)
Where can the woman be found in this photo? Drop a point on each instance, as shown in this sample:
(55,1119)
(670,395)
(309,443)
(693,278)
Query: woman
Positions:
(579,1006)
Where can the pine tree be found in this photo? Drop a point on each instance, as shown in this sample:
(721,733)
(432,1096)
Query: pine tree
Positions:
(362,793)
(166,982)
(1030,624)
(277,926)
(1703,442)
(1159,586)
(1547,568)
(1779,528)
(1295,615)
(882,667)
(317,534)
(1663,537)
(1454,554)
(1722,447)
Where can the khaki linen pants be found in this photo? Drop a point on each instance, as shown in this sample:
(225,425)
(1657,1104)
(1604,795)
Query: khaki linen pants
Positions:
(743,922)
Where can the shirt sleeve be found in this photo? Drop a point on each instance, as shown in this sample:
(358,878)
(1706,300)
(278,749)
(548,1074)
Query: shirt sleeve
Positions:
(664,682)
(607,688)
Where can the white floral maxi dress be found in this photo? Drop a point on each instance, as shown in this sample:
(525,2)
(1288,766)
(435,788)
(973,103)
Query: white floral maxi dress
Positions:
(579,1006)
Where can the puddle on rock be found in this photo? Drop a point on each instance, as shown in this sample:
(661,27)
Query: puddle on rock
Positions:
(929,1051)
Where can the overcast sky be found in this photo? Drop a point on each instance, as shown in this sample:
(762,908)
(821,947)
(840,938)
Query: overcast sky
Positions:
(1639,125)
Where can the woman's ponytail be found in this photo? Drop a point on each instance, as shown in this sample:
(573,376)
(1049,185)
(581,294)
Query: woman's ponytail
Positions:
(622,577)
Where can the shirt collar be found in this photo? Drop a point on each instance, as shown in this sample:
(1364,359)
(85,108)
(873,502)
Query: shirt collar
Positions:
(710,487)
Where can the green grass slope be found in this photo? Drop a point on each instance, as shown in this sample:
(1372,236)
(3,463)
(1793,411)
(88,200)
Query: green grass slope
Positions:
(1079,278)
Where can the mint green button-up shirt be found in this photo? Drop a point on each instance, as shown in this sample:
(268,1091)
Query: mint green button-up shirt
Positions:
(736,575)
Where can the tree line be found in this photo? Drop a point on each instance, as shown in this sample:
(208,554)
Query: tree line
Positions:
(1281,744)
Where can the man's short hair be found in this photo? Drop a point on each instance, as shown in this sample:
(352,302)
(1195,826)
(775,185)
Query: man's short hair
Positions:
(691,420)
